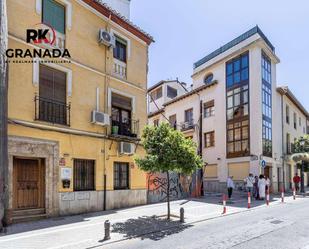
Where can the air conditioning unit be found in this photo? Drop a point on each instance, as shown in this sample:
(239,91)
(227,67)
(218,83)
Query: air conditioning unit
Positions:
(106,38)
(126,148)
(100,118)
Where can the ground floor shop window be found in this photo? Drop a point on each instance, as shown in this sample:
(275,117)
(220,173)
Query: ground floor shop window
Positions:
(83,175)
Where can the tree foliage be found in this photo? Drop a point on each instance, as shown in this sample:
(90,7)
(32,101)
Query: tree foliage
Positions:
(168,150)
(299,148)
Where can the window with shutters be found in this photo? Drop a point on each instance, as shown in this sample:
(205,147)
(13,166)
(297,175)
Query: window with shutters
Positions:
(209,138)
(121,175)
(54,15)
(84,175)
(51,102)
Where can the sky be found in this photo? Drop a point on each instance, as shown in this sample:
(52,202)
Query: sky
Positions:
(187,30)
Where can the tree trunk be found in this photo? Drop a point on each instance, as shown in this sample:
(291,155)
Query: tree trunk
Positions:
(3,112)
(168,196)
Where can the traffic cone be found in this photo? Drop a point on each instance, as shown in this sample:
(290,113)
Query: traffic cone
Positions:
(224,204)
(267,197)
(249,200)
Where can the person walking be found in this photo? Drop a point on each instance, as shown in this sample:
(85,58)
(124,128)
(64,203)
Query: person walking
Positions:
(267,183)
(262,187)
(256,187)
(296,181)
(230,186)
(249,183)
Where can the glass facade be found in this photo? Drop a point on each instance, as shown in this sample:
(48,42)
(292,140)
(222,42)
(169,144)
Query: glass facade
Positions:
(237,106)
(266,106)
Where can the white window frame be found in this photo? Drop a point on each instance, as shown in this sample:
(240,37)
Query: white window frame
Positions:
(68,11)
(36,73)
(112,90)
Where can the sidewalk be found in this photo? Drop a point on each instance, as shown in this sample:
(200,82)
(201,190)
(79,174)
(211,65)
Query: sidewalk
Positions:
(143,221)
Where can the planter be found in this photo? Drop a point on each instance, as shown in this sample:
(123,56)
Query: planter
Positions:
(115,129)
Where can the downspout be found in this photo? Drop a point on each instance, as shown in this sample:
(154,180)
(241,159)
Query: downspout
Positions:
(201,145)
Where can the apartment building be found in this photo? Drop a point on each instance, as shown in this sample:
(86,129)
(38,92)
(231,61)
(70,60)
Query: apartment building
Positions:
(74,119)
(233,112)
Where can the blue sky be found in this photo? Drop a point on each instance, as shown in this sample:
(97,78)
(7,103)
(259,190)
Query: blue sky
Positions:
(187,30)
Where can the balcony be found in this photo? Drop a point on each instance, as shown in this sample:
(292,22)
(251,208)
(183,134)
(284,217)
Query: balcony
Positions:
(128,128)
(120,69)
(187,125)
(52,111)
(59,40)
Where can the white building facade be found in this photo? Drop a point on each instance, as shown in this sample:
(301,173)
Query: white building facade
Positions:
(234,113)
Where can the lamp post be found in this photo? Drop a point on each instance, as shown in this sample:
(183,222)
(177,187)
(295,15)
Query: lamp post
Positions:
(302,185)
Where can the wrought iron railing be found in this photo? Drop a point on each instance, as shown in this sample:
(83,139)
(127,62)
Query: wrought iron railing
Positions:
(128,127)
(187,125)
(52,111)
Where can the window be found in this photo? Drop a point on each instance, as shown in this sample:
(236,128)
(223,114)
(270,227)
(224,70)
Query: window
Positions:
(209,139)
(173,121)
(54,15)
(51,101)
(238,138)
(156,94)
(295,120)
(287,114)
(171,92)
(238,103)
(209,78)
(189,116)
(299,121)
(266,106)
(209,109)
(120,49)
(121,175)
(288,143)
(122,124)
(156,122)
(83,175)
(237,71)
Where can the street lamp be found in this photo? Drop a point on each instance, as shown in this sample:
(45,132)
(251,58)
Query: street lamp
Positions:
(302,185)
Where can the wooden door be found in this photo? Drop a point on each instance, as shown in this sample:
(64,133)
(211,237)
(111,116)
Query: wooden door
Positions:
(28,184)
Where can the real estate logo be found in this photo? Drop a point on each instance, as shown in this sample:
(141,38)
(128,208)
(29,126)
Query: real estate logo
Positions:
(44,40)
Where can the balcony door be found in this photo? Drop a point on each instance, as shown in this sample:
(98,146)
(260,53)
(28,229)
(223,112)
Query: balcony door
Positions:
(52,95)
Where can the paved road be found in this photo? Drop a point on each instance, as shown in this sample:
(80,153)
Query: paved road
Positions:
(283,226)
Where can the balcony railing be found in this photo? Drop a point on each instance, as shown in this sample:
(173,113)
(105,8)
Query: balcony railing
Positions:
(52,111)
(120,69)
(128,128)
(59,40)
(187,125)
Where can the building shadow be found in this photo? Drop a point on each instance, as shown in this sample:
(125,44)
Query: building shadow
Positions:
(149,227)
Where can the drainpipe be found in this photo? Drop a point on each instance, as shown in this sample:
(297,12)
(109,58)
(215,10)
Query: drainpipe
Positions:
(201,144)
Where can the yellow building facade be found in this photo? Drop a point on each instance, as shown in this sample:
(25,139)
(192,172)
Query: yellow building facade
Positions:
(75,121)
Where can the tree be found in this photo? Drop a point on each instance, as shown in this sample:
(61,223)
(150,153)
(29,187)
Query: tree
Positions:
(301,148)
(168,150)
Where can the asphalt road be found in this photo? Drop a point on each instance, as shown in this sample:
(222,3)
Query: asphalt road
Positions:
(282,226)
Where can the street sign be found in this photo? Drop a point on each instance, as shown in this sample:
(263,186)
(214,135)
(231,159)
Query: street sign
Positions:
(263,164)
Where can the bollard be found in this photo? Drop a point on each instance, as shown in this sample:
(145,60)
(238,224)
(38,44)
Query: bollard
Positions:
(107,226)
(182,215)
(249,200)
(294,194)
(267,197)
(224,204)
(282,195)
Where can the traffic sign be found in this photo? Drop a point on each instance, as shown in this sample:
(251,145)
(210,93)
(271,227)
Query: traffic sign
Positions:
(263,164)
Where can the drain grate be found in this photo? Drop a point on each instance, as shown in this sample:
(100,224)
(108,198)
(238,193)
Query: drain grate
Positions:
(276,222)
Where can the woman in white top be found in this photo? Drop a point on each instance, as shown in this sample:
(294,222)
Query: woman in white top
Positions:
(262,187)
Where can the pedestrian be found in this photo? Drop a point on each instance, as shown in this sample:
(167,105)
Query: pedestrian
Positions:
(262,187)
(256,187)
(296,181)
(267,183)
(230,186)
(249,183)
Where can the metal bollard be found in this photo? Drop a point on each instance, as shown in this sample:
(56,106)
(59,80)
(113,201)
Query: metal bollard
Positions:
(107,226)
(182,215)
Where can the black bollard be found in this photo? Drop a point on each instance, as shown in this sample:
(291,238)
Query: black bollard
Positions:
(182,215)
(107,226)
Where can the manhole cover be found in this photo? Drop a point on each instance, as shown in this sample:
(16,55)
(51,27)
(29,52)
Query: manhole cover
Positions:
(276,222)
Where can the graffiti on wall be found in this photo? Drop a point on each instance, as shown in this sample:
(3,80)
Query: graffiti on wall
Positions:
(180,186)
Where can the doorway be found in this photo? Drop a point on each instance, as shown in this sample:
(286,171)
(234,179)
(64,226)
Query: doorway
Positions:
(28,183)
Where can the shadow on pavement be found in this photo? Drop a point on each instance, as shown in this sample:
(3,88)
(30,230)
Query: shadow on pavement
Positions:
(149,227)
